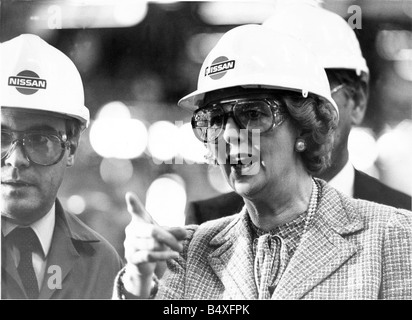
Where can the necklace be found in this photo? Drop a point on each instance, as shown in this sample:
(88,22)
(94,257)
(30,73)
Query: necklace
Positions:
(313,203)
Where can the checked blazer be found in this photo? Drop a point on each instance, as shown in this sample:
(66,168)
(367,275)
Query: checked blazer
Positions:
(353,249)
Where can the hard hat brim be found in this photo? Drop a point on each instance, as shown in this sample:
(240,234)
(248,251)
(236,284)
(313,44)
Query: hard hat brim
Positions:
(84,118)
(192,101)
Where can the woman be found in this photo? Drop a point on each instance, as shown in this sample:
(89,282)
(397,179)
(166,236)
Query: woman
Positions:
(296,237)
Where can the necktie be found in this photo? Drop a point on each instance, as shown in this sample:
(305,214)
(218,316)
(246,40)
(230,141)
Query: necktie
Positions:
(27,242)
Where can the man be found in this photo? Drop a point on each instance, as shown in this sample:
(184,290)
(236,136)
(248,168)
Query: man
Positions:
(46,252)
(338,50)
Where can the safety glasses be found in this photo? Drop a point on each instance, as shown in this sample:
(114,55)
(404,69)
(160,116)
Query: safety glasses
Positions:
(39,147)
(340,87)
(209,122)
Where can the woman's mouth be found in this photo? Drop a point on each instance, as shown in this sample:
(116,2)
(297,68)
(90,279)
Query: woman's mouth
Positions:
(245,165)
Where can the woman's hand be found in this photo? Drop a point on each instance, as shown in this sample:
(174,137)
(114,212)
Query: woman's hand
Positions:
(147,246)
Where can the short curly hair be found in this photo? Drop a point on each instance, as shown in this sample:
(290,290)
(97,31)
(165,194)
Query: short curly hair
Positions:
(318,119)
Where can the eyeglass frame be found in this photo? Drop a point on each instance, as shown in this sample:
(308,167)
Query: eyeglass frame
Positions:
(277,109)
(63,139)
(340,86)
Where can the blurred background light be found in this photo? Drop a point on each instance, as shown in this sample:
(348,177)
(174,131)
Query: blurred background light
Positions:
(191,149)
(76,204)
(114,135)
(233,13)
(116,171)
(72,14)
(403,66)
(163,139)
(118,138)
(391,43)
(129,12)
(166,200)
(395,156)
(114,109)
(363,150)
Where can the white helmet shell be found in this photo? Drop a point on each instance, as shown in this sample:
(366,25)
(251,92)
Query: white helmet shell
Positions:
(326,34)
(35,75)
(257,57)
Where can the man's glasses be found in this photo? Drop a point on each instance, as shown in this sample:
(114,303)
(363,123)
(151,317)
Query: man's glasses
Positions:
(39,148)
(209,123)
(341,86)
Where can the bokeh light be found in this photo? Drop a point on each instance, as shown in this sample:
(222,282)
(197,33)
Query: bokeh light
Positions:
(76,204)
(129,12)
(114,109)
(395,156)
(403,66)
(233,13)
(363,150)
(118,138)
(166,200)
(163,140)
(115,135)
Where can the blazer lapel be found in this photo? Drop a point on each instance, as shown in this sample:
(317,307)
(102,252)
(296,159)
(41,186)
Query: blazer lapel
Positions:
(322,249)
(232,260)
(7,265)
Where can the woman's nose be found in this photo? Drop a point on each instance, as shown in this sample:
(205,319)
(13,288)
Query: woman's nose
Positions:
(16,156)
(233,134)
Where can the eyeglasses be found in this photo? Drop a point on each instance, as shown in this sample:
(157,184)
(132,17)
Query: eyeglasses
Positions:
(39,147)
(209,123)
(341,86)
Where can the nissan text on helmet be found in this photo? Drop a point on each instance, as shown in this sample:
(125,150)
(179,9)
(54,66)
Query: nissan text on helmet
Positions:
(326,34)
(254,56)
(36,76)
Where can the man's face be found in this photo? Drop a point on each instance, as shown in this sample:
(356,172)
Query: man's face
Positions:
(346,106)
(28,190)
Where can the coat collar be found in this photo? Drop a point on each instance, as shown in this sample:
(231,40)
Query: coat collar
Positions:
(321,251)
(232,259)
(323,248)
(69,233)
(72,227)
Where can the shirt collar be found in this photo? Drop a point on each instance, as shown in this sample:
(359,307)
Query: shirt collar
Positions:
(344,180)
(43,228)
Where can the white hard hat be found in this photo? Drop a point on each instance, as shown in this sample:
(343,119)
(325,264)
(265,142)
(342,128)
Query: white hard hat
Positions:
(254,56)
(326,33)
(35,75)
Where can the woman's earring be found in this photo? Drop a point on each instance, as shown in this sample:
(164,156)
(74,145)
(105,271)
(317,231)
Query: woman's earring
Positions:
(300,145)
